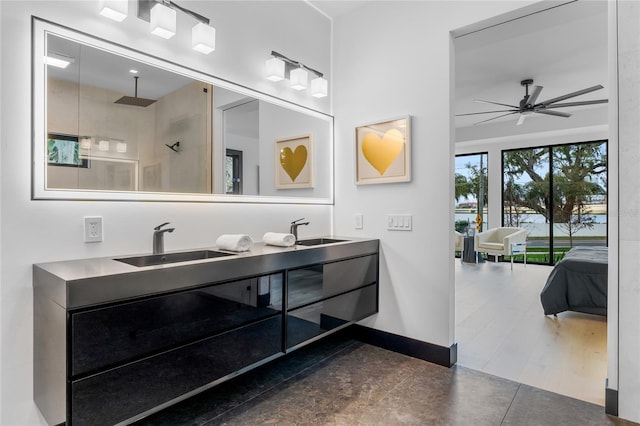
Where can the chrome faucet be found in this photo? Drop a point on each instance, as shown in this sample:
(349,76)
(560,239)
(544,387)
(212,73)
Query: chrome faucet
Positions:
(294,227)
(158,238)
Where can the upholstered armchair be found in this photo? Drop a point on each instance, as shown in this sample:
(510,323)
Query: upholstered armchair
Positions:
(498,241)
(458,241)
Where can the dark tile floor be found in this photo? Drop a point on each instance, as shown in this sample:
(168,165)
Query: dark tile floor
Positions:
(340,381)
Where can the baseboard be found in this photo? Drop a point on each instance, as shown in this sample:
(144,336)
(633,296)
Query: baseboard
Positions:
(441,355)
(611,402)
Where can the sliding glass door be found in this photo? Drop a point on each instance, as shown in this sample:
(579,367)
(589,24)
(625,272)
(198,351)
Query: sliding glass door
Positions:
(559,195)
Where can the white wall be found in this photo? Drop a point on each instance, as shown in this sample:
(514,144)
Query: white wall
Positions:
(38,231)
(393,58)
(628,205)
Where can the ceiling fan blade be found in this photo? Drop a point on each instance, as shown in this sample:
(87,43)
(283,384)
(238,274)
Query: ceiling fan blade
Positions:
(571,95)
(494,103)
(534,95)
(494,118)
(555,113)
(486,112)
(572,104)
(521,119)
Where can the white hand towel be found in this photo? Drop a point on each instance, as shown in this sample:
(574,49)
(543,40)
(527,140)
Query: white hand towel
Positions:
(278,239)
(234,242)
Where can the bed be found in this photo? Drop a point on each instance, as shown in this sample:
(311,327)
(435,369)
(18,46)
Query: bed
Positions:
(578,283)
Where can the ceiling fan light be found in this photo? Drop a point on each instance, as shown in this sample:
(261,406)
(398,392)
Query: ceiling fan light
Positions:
(114,9)
(203,38)
(275,69)
(299,78)
(163,21)
(319,87)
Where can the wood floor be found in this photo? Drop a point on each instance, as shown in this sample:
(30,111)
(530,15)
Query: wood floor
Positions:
(502,330)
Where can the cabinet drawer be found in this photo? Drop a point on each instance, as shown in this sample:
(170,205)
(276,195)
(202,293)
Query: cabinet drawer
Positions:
(314,320)
(121,393)
(108,336)
(338,277)
(312,284)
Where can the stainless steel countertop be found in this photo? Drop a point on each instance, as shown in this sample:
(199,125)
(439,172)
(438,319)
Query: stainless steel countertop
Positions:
(86,282)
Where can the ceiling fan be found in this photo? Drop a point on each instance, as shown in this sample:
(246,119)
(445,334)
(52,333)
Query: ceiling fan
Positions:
(528,105)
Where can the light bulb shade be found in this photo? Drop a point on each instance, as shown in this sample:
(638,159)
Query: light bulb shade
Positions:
(114,9)
(319,87)
(203,38)
(275,69)
(163,21)
(103,145)
(298,78)
(121,147)
(85,142)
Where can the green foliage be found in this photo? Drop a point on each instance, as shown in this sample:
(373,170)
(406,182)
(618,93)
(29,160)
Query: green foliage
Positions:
(473,186)
(461,226)
(579,173)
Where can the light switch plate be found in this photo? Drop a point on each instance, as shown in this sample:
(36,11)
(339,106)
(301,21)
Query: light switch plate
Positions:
(92,229)
(399,222)
(358,219)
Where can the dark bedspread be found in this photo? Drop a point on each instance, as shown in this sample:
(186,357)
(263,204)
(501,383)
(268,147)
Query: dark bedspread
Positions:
(578,283)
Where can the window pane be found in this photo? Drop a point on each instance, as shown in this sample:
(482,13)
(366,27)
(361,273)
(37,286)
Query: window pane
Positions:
(526,198)
(579,196)
(471,191)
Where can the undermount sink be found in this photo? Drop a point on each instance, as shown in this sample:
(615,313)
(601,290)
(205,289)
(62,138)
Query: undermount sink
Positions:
(161,259)
(318,241)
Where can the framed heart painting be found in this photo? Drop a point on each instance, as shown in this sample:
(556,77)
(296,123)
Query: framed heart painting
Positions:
(383,151)
(294,162)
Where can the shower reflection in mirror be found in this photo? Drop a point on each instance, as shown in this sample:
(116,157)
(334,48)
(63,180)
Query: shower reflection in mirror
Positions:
(116,117)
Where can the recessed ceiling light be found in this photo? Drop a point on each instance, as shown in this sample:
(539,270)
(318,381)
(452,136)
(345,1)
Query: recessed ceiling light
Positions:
(132,71)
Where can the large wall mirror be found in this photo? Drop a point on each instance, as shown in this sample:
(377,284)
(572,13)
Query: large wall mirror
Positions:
(115,124)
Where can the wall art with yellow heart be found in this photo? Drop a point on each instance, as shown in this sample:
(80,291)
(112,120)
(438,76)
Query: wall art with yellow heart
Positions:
(383,151)
(294,162)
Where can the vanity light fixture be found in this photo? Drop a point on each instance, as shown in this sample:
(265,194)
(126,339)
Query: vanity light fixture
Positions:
(114,9)
(162,16)
(279,67)
(58,60)
(121,147)
(85,142)
(275,69)
(162,20)
(203,38)
(103,145)
(319,87)
(299,77)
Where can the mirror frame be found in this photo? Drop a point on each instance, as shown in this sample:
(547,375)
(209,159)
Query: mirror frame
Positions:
(40,29)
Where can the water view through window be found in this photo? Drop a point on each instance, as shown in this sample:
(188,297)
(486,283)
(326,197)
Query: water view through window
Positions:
(559,195)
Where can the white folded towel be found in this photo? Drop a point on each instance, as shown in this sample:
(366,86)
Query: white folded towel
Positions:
(278,239)
(234,242)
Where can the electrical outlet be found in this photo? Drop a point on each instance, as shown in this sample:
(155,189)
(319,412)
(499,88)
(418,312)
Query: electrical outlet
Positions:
(358,220)
(92,229)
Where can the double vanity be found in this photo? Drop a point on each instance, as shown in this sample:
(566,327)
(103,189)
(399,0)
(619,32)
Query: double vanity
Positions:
(116,339)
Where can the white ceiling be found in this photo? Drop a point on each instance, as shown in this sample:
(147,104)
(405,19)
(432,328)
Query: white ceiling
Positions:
(563,49)
(335,8)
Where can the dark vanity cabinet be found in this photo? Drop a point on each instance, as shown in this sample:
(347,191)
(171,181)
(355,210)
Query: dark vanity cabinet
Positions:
(130,357)
(323,297)
(115,361)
